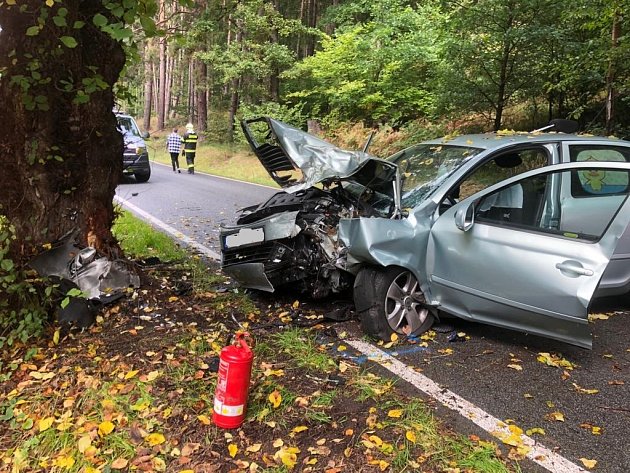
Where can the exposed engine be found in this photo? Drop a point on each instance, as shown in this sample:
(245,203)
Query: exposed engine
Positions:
(314,258)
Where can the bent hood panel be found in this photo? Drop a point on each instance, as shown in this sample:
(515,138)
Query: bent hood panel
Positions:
(286,148)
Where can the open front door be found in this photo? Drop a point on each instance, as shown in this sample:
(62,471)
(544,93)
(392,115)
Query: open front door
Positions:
(528,253)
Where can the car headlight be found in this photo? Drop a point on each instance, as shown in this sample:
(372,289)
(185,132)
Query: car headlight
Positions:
(140,150)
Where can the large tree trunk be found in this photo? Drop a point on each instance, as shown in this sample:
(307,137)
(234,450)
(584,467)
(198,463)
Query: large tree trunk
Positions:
(60,159)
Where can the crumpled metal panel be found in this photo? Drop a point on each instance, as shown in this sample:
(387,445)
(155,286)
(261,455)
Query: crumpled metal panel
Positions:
(387,242)
(317,159)
(251,275)
(94,275)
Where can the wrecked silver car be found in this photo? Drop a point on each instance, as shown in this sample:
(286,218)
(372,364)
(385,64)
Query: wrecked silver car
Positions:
(518,230)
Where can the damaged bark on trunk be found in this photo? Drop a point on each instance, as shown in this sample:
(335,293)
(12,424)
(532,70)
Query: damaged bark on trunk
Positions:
(61,159)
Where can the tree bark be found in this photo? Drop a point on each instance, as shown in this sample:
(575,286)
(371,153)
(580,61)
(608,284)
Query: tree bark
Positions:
(62,159)
(610,75)
(161,103)
(202,104)
(148,87)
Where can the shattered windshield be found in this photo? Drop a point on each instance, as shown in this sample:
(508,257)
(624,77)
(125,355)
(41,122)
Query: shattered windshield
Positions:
(424,167)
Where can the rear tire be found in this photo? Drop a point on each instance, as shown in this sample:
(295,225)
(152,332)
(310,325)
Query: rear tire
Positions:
(389,300)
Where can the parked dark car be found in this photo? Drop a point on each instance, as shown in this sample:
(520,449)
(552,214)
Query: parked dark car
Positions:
(519,230)
(136,154)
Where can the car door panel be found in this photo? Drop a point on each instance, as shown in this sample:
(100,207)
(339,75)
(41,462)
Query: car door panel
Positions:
(520,278)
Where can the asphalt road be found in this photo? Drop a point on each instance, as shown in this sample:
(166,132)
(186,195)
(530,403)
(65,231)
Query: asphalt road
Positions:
(194,204)
(583,409)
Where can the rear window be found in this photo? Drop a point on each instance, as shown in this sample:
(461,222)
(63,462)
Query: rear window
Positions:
(598,182)
(127,126)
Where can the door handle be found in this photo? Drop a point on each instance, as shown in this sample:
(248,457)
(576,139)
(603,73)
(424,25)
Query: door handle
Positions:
(575,268)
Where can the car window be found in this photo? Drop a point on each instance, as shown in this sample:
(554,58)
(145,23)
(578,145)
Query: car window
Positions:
(598,181)
(127,126)
(499,168)
(538,204)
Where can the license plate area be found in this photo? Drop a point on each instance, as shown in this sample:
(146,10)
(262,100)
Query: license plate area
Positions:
(245,236)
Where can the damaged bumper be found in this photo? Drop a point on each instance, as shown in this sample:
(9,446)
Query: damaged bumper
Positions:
(252,252)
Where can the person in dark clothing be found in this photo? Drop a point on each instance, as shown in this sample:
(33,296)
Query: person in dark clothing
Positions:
(174,146)
(190,147)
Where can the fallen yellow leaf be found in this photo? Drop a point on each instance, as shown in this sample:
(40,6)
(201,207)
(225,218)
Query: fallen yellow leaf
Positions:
(44,424)
(275,398)
(535,430)
(152,376)
(204,419)
(393,337)
(233,449)
(516,367)
(105,428)
(155,439)
(396,413)
(554,360)
(299,428)
(411,436)
(131,374)
(588,463)
(288,456)
(64,461)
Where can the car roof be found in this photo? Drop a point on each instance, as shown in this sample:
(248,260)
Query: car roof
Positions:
(488,141)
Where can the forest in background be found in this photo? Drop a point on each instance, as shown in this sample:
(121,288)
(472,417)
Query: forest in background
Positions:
(426,66)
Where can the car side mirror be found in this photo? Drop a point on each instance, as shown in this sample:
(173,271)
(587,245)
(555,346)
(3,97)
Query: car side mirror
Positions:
(465,217)
(145,135)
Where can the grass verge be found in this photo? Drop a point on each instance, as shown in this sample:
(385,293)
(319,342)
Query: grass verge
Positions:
(235,162)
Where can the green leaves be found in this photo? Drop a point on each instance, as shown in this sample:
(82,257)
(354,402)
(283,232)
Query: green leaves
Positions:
(69,41)
(99,20)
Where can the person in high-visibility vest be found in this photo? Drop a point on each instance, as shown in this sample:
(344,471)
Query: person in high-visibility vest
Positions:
(190,147)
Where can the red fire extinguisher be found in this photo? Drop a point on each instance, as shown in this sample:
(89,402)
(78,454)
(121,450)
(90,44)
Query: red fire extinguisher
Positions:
(230,396)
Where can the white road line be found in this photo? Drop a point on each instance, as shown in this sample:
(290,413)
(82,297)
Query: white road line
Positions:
(168,229)
(541,455)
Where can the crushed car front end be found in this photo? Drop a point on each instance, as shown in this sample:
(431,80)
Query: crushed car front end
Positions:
(292,238)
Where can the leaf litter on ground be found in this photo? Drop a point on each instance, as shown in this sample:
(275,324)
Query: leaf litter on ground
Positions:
(136,392)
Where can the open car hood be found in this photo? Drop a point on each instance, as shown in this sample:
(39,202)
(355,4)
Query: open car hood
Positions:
(296,159)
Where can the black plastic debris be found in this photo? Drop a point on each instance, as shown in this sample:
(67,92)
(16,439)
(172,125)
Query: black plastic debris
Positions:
(455,337)
(341,314)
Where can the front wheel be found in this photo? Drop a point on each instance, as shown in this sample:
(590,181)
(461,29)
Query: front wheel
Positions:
(390,300)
